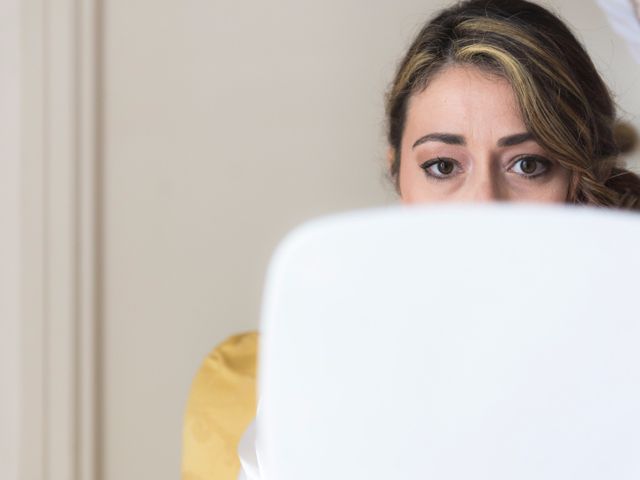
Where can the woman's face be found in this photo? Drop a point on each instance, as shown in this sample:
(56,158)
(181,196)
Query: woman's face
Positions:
(465,140)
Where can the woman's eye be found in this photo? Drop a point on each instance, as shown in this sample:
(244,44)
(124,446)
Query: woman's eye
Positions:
(531,166)
(439,168)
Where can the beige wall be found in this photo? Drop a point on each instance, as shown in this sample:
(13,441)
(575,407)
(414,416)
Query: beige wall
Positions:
(225,124)
(10,189)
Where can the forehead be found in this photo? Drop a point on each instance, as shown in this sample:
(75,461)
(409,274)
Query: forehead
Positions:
(465,99)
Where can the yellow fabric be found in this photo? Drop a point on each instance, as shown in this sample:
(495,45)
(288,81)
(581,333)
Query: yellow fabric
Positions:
(221,404)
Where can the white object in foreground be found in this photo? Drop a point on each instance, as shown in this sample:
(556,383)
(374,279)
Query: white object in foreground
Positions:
(454,343)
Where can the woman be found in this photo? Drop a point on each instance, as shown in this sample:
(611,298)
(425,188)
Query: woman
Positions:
(496,100)
(487,70)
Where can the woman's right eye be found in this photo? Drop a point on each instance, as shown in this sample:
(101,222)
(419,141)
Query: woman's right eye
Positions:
(439,168)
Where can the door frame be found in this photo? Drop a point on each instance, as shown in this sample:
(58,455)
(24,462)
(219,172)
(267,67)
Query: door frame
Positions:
(60,281)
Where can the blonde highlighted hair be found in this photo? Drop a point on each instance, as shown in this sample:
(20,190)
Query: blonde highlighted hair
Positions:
(563,100)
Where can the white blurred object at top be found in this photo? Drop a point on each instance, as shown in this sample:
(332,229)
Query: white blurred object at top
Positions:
(624,17)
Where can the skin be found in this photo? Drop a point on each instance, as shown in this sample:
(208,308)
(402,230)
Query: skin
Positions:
(465,141)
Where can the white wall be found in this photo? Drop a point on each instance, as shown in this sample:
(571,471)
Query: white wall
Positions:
(9,238)
(225,124)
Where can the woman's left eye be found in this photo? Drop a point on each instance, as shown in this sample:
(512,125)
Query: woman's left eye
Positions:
(530,166)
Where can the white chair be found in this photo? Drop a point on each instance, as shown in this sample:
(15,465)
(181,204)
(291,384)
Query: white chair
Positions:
(454,343)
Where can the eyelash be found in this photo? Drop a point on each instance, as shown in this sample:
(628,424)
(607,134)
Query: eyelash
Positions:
(540,160)
(429,163)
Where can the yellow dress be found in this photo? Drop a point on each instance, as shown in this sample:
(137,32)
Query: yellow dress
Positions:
(221,404)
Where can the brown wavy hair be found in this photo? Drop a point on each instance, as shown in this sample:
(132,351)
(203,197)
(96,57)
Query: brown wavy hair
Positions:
(563,100)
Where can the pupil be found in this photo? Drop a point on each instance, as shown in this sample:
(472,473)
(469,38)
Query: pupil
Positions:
(528,165)
(445,167)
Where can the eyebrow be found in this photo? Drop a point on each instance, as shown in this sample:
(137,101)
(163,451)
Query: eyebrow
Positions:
(453,139)
(516,139)
(448,138)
